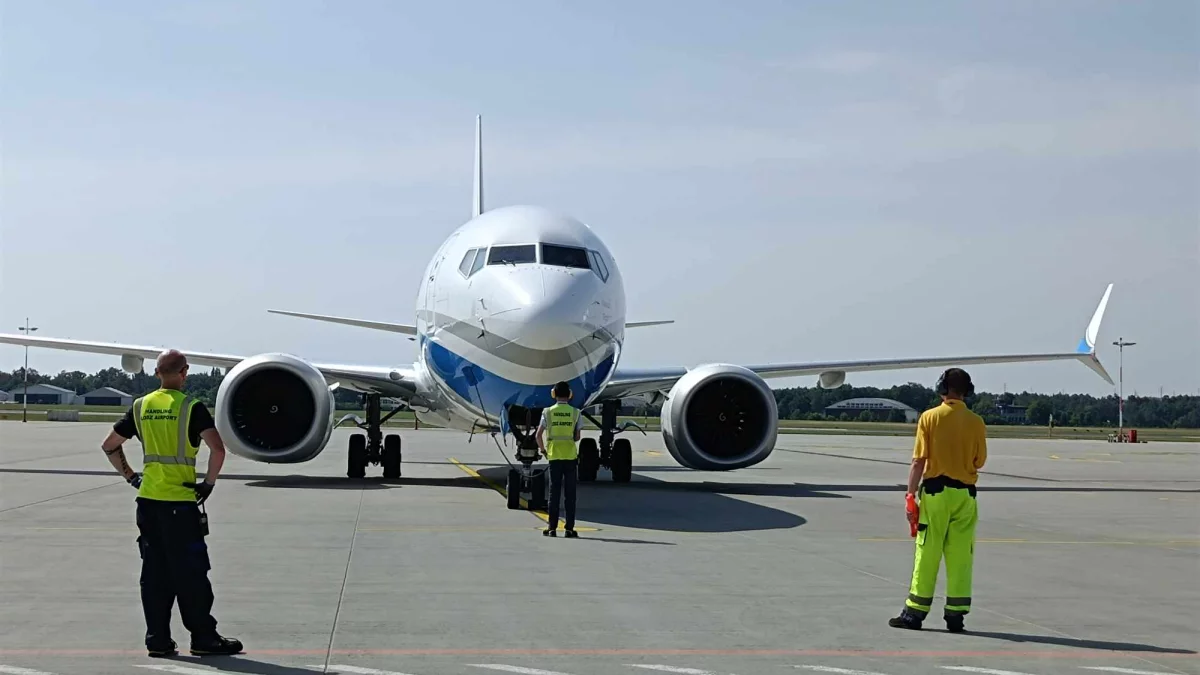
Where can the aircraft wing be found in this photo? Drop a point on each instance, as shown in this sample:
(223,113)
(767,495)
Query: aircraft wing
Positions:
(627,383)
(399,382)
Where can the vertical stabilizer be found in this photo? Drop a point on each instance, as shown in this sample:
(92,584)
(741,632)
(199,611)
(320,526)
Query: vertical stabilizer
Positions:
(477,207)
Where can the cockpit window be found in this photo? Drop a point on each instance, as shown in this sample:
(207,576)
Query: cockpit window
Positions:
(565,256)
(479,259)
(600,268)
(516,255)
(464,267)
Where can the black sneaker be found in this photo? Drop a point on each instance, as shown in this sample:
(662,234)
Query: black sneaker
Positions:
(572,534)
(216,646)
(905,620)
(549,533)
(954,624)
(163,650)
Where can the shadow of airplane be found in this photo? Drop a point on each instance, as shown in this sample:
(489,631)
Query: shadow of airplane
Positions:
(1076,642)
(652,504)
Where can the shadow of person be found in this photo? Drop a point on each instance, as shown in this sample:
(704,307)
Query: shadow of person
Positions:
(1078,643)
(242,664)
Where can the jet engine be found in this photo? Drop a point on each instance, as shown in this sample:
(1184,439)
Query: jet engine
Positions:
(275,408)
(720,417)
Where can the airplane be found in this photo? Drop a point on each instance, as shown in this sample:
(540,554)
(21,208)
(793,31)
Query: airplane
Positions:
(513,301)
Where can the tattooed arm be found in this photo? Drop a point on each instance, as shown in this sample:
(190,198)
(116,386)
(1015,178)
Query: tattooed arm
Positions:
(116,454)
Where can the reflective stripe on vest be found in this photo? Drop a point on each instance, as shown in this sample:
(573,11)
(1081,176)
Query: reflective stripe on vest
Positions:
(169,458)
(560,435)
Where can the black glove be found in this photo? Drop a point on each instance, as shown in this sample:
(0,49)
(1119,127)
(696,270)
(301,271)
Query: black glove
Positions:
(136,481)
(203,490)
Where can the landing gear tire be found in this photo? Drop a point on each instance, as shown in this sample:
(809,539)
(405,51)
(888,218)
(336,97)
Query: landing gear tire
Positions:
(514,489)
(622,460)
(391,456)
(589,460)
(356,464)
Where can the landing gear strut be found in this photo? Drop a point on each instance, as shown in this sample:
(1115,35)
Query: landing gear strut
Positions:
(614,454)
(374,447)
(526,482)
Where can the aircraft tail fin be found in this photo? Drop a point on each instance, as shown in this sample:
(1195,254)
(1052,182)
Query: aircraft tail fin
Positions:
(477,206)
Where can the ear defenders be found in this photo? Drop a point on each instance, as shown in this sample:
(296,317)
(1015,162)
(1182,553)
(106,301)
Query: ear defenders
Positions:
(944,390)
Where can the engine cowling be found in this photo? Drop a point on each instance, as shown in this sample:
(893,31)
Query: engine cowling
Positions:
(720,417)
(275,408)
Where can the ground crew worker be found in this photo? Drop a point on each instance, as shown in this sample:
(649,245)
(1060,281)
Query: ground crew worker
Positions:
(951,447)
(175,561)
(561,424)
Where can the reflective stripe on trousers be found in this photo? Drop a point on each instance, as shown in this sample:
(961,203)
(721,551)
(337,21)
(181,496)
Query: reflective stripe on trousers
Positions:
(946,528)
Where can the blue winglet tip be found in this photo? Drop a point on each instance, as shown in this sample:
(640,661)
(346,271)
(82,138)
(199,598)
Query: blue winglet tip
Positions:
(1084,347)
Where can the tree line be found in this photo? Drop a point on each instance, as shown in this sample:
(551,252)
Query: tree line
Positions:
(796,403)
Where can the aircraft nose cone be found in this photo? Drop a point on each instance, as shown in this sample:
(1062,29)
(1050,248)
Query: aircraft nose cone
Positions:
(555,318)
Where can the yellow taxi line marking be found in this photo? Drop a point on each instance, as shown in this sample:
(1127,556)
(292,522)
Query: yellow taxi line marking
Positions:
(503,491)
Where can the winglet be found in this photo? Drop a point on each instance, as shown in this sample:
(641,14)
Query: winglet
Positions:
(1088,344)
(477,206)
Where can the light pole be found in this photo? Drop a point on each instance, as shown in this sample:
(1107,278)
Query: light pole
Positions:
(27,329)
(1121,345)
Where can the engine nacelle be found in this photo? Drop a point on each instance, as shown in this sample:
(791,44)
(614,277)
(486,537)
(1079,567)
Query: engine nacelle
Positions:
(720,417)
(275,408)
(832,379)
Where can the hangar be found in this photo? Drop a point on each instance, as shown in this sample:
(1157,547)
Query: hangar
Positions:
(107,396)
(42,394)
(883,406)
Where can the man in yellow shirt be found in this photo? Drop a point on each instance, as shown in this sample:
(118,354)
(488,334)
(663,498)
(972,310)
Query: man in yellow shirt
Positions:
(951,448)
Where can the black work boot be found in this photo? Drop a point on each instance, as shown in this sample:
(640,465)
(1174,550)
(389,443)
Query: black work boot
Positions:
(906,620)
(216,646)
(572,534)
(954,623)
(549,532)
(162,650)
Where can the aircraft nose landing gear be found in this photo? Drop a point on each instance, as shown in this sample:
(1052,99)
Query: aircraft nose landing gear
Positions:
(524,481)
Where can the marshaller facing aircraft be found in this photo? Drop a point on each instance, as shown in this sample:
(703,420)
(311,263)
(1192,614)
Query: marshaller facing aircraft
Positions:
(515,300)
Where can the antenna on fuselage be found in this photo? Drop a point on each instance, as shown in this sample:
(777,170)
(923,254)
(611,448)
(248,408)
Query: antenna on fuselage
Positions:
(477,207)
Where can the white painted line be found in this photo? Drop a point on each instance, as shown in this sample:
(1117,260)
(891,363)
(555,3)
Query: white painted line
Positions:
(358,670)
(840,671)
(984,670)
(515,669)
(1126,670)
(13,670)
(180,669)
(671,669)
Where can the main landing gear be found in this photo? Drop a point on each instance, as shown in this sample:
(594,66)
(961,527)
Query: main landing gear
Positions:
(526,482)
(373,447)
(614,454)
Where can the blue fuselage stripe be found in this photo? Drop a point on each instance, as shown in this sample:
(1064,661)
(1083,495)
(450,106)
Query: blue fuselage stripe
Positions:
(491,394)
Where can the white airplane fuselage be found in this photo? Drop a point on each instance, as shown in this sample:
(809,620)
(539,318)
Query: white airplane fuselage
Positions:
(515,300)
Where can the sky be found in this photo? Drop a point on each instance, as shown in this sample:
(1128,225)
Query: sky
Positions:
(787,181)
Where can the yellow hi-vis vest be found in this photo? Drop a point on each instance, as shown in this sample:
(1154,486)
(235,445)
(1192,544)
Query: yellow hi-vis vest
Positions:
(169,458)
(560,434)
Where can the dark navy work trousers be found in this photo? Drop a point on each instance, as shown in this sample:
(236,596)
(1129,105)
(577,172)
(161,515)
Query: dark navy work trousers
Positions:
(562,484)
(174,567)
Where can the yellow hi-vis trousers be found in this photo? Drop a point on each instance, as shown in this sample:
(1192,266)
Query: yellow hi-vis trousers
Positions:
(946,527)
